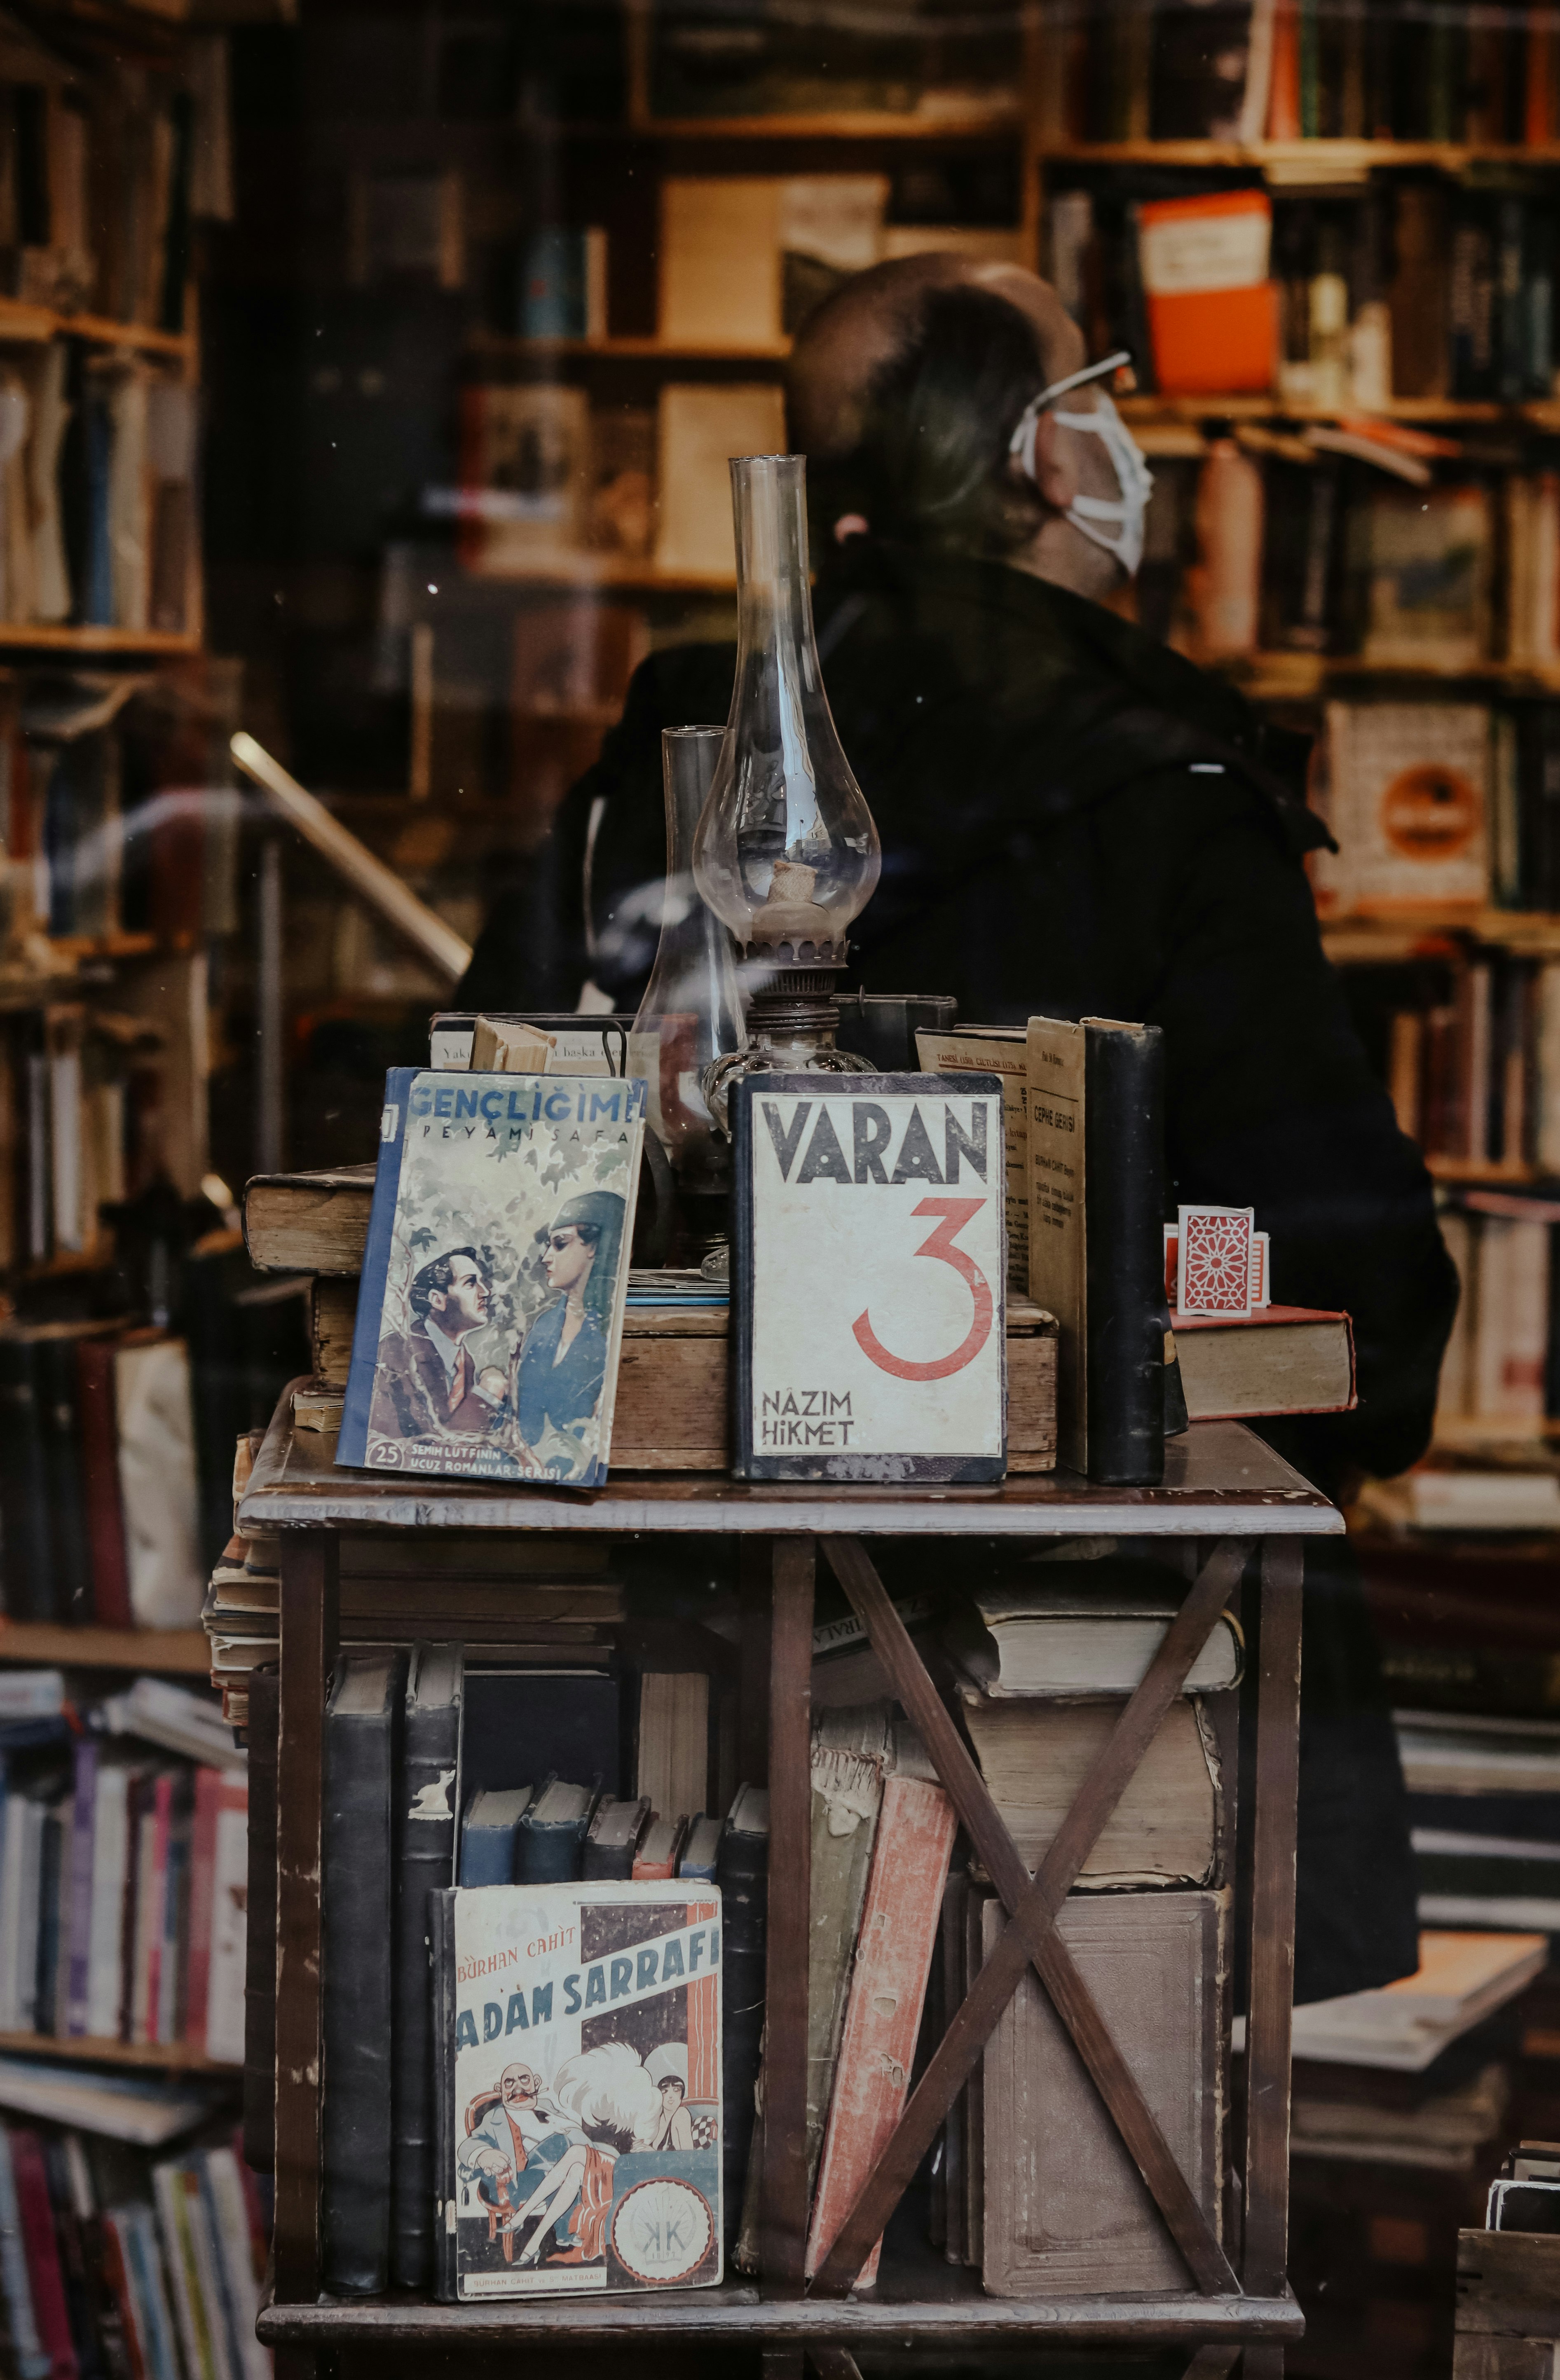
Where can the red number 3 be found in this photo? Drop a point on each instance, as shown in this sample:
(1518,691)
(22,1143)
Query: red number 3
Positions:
(955,1213)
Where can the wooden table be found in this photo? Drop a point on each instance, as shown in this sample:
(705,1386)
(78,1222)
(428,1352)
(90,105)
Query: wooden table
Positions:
(1224,1495)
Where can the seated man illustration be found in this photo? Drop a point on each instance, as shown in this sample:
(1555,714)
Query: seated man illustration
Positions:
(512,2151)
(610,2106)
(429,1375)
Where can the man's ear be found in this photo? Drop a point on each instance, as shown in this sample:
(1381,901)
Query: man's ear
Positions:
(438,1299)
(1053,472)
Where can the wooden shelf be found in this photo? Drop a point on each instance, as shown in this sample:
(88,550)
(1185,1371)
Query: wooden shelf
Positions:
(1293,157)
(849,124)
(647,349)
(171,2057)
(1265,406)
(736,2314)
(33,638)
(1383,940)
(609,570)
(184,1651)
(31,325)
(1296,677)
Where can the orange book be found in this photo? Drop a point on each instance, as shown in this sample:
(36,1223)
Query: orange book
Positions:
(894,1952)
(1538,95)
(1212,311)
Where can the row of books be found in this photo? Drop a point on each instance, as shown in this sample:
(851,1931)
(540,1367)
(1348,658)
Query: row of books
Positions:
(1474,1072)
(118,2265)
(97,467)
(1295,69)
(1315,542)
(123,1876)
(100,177)
(1502,1359)
(98,1500)
(1402,289)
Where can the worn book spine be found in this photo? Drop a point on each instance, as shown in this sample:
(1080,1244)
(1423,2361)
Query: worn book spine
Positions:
(744,1880)
(899,1924)
(357,1920)
(553,1854)
(424,1864)
(62,1480)
(352,1444)
(259,1939)
(24,1496)
(100,1465)
(1124,1103)
(441,1949)
(956,1895)
(76,1923)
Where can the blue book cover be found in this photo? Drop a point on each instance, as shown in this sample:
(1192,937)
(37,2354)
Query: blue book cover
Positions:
(553,293)
(488,1833)
(490,1314)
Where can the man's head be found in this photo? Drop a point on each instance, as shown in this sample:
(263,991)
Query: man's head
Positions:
(904,392)
(452,1292)
(518,2086)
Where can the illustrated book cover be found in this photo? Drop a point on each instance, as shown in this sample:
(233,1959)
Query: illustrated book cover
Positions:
(869,1277)
(578,2049)
(497,1264)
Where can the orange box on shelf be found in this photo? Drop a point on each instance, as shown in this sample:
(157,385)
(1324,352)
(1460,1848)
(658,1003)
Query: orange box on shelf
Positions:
(1212,311)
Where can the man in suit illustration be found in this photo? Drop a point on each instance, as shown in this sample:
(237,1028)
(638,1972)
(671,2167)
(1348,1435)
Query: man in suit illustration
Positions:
(430,1376)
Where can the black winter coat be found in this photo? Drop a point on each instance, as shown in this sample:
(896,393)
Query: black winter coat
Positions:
(1077,821)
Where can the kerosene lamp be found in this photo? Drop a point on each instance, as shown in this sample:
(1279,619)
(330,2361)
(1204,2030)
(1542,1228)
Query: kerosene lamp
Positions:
(786,853)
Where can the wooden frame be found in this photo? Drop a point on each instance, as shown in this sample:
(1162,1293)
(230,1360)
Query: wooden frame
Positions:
(1229,1495)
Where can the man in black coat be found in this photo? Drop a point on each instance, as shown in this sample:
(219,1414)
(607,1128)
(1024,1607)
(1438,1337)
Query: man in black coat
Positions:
(1075,820)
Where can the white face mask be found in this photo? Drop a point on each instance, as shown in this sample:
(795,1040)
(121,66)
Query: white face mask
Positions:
(1132,474)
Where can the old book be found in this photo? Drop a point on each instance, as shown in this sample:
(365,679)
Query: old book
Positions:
(1096,1237)
(1067,2212)
(218,1898)
(525,1722)
(899,1927)
(950,1951)
(259,1953)
(1276,1359)
(1002,1050)
(362,1730)
(1462,1977)
(333,1313)
(1424,558)
(428,1800)
(309,1223)
(698,430)
(1083,1629)
(490,1831)
(699,1855)
(503,1046)
(613,1839)
(550,1837)
(1409,801)
(525,467)
(1212,308)
(100,1469)
(660,1848)
(673,1743)
(579,2152)
(1035,1756)
(495,1277)
(918,1376)
(742,1870)
(719,260)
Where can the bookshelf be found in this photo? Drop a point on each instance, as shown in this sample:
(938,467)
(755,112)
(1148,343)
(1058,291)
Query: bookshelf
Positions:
(165,2057)
(159,1652)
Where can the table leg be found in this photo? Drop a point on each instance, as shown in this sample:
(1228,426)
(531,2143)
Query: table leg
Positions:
(782,2233)
(309,1609)
(1268,2020)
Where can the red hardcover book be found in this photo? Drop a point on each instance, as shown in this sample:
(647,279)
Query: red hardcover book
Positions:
(894,1953)
(100,1473)
(42,2250)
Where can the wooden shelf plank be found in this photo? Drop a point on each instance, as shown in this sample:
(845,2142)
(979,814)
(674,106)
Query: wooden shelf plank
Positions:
(171,2057)
(31,325)
(34,637)
(849,124)
(610,570)
(164,1651)
(1326,156)
(630,347)
(734,2313)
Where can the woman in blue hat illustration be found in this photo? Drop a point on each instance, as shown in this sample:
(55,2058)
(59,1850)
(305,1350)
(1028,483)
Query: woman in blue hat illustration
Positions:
(562,1366)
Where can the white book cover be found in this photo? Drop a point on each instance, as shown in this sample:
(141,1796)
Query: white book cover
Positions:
(578,2032)
(1410,803)
(110,1847)
(225,1976)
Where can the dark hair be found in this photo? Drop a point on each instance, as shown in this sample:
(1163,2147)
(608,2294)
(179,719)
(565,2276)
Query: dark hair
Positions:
(438,1275)
(929,467)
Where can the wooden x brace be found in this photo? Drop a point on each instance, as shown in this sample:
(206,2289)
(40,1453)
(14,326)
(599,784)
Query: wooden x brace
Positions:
(1030,1936)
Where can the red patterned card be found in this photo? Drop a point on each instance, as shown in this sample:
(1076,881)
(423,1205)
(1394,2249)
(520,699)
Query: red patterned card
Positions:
(1214,1267)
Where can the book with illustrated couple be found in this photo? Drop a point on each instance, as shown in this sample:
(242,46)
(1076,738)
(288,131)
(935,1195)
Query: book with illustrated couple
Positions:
(576,2032)
(495,1277)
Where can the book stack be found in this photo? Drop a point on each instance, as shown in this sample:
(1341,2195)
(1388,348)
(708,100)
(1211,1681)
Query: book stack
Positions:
(98,1492)
(1035,2189)
(117,2264)
(1485,1802)
(1499,1376)
(122,1873)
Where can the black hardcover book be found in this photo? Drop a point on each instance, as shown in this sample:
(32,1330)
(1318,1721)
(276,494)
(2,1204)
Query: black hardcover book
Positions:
(549,1839)
(424,1863)
(362,1724)
(614,1840)
(1123,1176)
(743,1873)
(80,2305)
(441,1947)
(25,1535)
(59,1424)
(881,1026)
(520,1724)
(260,1936)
